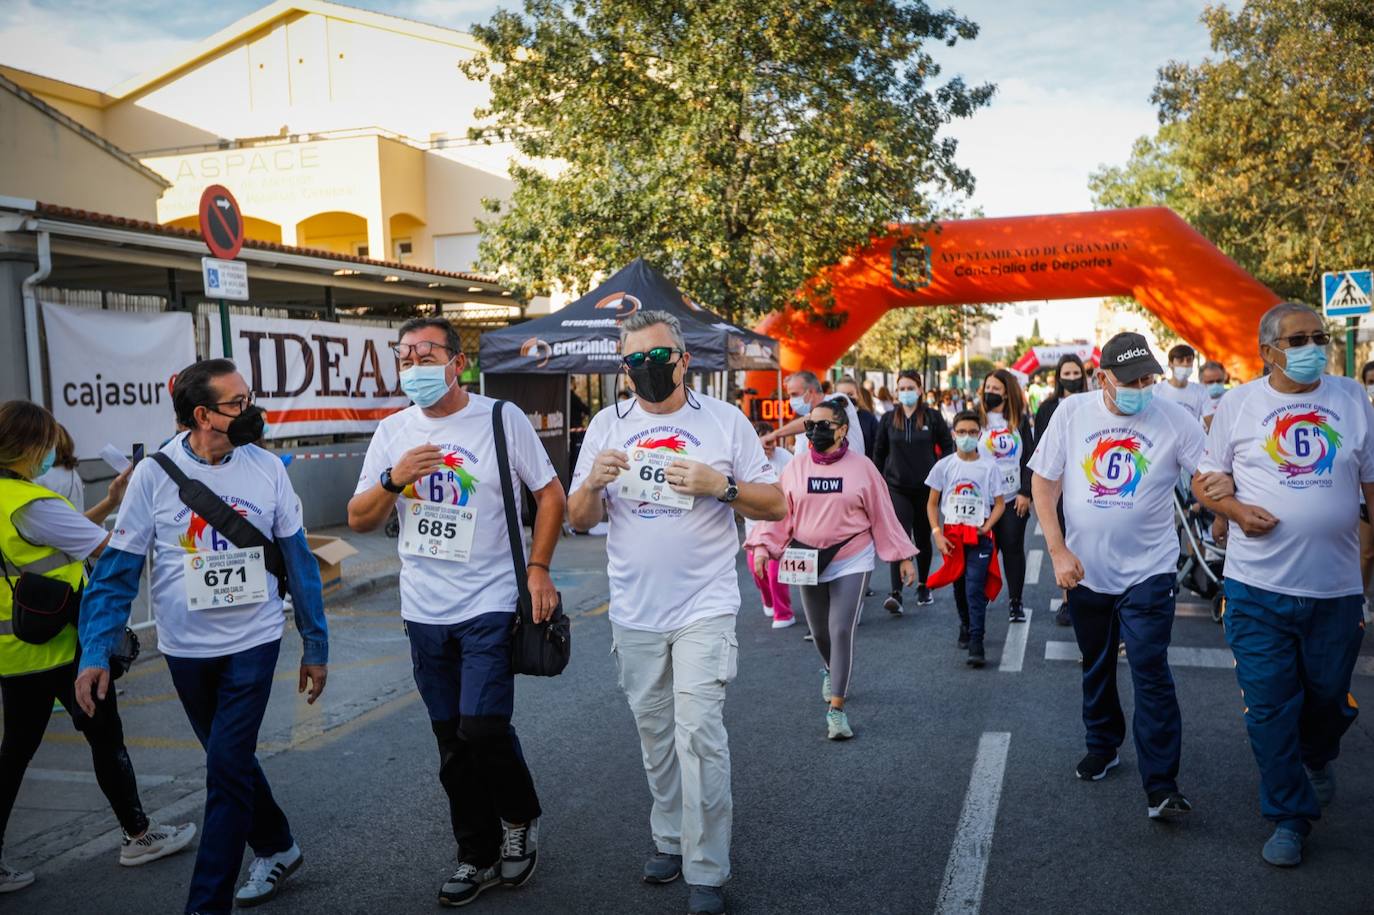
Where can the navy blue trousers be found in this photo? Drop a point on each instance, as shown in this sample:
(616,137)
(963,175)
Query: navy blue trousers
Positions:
(1294,660)
(225,699)
(970,597)
(464,676)
(1144,618)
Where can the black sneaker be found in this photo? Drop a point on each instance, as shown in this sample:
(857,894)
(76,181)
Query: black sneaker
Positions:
(1094,768)
(976,658)
(1168,805)
(467,883)
(1061,616)
(923,598)
(963,636)
(519,852)
(893,604)
(1016,614)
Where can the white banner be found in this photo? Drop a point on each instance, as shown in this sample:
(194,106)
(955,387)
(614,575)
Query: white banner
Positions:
(315,377)
(109,374)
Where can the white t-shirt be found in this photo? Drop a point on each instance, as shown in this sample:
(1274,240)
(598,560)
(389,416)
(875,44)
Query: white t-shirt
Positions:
(51,522)
(958,480)
(152,516)
(670,567)
(1119,474)
(1211,408)
(1002,445)
(442,591)
(1191,397)
(780,459)
(1301,457)
(66,482)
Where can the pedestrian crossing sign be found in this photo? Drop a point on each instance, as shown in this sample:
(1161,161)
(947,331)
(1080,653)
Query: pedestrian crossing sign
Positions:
(1346,294)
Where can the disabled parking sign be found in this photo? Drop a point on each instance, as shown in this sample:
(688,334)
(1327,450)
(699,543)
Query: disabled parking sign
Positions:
(1347,294)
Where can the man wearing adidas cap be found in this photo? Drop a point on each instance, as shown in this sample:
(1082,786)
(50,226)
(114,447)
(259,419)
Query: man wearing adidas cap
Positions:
(1116,456)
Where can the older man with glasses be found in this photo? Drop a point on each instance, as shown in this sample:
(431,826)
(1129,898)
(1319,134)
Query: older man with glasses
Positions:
(669,469)
(1300,446)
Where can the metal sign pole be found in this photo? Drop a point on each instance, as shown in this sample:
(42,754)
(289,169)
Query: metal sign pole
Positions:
(225,338)
(1350,325)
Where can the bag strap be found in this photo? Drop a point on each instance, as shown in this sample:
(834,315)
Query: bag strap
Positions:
(237,529)
(517,548)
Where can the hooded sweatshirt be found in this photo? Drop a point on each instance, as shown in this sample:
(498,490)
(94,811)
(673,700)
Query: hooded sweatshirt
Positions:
(828,502)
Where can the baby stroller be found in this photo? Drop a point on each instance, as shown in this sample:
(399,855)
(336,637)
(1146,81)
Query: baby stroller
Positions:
(1201,559)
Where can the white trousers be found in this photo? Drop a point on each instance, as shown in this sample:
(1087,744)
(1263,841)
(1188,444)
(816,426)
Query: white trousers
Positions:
(675,682)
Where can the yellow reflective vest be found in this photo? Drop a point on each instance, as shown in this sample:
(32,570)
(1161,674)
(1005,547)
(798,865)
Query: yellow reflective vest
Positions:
(18,657)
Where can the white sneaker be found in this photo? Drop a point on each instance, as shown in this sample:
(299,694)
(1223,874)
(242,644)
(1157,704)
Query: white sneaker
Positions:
(156,842)
(784,624)
(768,611)
(11,879)
(266,875)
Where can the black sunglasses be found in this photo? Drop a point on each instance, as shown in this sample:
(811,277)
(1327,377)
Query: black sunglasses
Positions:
(1319,338)
(238,403)
(659,355)
(823,424)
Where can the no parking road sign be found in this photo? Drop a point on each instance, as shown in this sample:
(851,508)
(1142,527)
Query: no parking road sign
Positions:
(221,222)
(1346,294)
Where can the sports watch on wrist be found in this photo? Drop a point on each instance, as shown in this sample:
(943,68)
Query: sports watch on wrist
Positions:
(387,483)
(731,490)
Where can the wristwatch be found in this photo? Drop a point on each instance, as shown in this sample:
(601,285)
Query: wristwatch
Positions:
(388,485)
(731,490)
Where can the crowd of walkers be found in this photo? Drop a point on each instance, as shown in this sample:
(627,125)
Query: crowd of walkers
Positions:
(898,477)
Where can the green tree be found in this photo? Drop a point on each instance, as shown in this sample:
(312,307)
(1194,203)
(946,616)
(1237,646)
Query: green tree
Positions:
(739,145)
(905,338)
(1267,146)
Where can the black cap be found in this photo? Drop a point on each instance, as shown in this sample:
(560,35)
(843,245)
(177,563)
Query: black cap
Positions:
(1129,358)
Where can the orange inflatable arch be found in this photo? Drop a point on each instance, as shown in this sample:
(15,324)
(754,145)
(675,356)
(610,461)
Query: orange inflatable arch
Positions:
(1148,253)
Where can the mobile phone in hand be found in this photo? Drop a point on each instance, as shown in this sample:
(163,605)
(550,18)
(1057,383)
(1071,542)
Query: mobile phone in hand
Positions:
(137,454)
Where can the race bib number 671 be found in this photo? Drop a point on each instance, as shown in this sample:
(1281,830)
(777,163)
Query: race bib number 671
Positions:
(224,578)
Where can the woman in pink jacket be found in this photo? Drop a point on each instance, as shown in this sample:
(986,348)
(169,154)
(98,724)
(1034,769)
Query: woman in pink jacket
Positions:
(839,521)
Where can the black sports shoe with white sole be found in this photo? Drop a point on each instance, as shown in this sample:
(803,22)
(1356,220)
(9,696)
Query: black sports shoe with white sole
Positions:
(893,604)
(1168,805)
(519,852)
(467,883)
(1094,768)
(923,598)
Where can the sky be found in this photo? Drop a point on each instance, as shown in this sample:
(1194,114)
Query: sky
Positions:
(1074,82)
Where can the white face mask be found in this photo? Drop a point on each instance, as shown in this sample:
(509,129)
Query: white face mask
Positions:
(1182,372)
(1369,389)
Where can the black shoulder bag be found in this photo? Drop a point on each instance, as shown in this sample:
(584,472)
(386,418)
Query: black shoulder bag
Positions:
(536,649)
(237,529)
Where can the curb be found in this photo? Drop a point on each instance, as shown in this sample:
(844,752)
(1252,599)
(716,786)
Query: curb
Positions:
(351,589)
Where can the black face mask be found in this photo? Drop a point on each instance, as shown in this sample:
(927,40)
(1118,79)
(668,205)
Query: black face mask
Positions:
(821,438)
(992,401)
(654,381)
(247,427)
(1071,385)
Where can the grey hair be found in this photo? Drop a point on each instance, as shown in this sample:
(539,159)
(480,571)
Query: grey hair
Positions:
(1273,318)
(1210,364)
(642,320)
(808,378)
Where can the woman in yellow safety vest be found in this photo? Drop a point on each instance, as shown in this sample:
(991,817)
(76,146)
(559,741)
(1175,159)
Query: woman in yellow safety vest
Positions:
(42,534)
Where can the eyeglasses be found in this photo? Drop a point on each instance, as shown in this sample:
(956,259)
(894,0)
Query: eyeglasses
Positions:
(239,404)
(418,350)
(825,425)
(659,355)
(1319,338)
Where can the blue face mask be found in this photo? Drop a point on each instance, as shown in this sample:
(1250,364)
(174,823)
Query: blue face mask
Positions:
(1132,400)
(426,385)
(966,443)
(1216,389)
(799,405)
(1305,363)
(48,460)
(909,398)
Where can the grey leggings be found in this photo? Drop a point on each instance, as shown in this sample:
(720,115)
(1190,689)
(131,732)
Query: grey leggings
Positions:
(832,612)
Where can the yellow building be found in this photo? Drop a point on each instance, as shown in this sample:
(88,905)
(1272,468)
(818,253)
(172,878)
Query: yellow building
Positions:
(336,128)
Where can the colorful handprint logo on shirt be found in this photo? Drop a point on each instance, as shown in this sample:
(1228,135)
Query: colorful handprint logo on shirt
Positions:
(200,537)
(1003,444)
(1115,467)
(1303,444)
(453,485)
(672,443)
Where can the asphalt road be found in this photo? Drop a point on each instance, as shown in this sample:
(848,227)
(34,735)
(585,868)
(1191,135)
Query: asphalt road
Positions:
(957,793)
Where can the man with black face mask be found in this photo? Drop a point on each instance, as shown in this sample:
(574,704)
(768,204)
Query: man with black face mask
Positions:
(222,656)
(669,469)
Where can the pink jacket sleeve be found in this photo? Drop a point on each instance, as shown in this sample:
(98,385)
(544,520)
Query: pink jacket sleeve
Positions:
(774,536)
(892,543)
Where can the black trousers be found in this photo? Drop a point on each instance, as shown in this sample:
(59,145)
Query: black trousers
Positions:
(1010,531)
(28,702)
(910,506)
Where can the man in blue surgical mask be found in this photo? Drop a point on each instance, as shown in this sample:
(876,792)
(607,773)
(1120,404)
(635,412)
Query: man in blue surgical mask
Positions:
(1300,446)
(435,466)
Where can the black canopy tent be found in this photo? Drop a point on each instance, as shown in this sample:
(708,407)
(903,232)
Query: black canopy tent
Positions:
(584,339)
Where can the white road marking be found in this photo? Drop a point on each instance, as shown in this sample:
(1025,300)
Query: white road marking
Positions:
(88,778)
(961,891)
(1036,531)
(1062,651)
(1014,651)
(1033,561)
